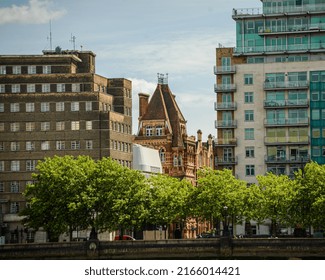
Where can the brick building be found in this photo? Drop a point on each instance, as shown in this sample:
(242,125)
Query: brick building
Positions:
(55,104)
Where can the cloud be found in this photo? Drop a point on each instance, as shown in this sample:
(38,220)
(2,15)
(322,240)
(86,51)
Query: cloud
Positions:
(35,12)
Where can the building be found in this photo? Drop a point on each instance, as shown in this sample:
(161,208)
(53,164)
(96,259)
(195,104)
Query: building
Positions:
(162,126)
(56,104)
(270,98)
(146,160)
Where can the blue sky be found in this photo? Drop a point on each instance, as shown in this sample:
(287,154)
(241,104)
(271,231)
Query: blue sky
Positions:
(134,39)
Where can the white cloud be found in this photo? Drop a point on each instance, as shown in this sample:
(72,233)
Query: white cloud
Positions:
(143,86)
(36,12)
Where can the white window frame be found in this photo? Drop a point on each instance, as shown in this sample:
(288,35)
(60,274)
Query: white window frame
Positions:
(75,125)
(31,69)
(15,165)
(14,127)
(89,144)
(59,106)
(45,126)
(30,165)
(3,69)
(2,166)
(60,126)
(89,106)
(31,88)
(30,107)
(45,106)
(60,145)
(30,126)
(89,125)
(16,69)
(15,88)
(60,87)
(30,146)
(75,87)
(14,107)
(14,146)
(47,69)
(45,145)
(46,88)
(75,106)
(75,145)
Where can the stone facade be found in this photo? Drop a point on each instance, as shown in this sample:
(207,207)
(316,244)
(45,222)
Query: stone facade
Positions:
(55,104)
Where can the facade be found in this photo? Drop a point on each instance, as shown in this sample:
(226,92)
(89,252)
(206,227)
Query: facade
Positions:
(270,98)
(162,126)
(55,104)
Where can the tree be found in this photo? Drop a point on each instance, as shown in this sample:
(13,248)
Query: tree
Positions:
(58,200)
(217,189)
(168,199)
(277,195)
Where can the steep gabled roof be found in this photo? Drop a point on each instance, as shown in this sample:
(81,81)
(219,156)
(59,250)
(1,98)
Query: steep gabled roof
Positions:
(163,106)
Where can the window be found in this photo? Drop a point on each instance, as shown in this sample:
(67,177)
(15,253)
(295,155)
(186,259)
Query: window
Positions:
(2,146)
(315,151)
(249,115)
(89,144)
(14,186)
(250,170)
(315,114)
(89,125)
(315,133)
(14,107)
(249,97)
(59,106)
(30,88)
(14,127)
(60,145)
(2,88)
(15,165)
(45,126)
(45,145)
(60,126)
(46,88)
(14,146)
(30,165)
(75,145)
(30,107)
(60,87)
(2,166)
(30,126)
(2,107)
(75,87)
(45,106)
(2,187)
(46,69)
(249,133)
(148,130)
(314,96)
(248,79)
(75,106)
(75,125)
(15,88)
(30,146)
(14,208)
(159,130)
(175,160)
(16,70)
(2,126)
(3,70)
(89,106)
(31,69)
(249,152)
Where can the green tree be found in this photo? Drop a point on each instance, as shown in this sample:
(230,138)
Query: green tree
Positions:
(168,199)
(217,189)
(58,200)
(278,192)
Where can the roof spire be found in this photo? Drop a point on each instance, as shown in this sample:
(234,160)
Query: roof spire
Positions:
(162,78)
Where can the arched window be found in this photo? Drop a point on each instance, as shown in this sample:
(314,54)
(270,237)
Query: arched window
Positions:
(162,155)
(175,160)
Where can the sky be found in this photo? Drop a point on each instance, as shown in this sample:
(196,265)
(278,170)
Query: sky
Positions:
(134,39)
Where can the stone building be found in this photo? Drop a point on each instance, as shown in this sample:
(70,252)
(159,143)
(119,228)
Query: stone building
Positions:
(55,104)
(163,127)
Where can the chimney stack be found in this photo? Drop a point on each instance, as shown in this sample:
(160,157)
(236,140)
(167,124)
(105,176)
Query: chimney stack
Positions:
(143,103)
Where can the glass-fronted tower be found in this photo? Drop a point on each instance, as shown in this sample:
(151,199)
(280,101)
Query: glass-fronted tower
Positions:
(270,89)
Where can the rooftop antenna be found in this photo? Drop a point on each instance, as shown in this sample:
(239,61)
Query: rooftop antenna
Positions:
(50,38)
(73,41)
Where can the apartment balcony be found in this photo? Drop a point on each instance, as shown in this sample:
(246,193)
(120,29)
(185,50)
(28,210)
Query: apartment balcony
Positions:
(226,160)
(226,142)
(225,88)
(287,122)
(291,29)
(286,104)
(226,124)
(222,106)
(280,49)
(286,85)
(286,140)
(278,10)
(224,70)
(287,159)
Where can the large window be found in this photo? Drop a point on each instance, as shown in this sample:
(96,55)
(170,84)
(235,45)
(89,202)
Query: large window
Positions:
(15,165)
(75,125)
(45,106)
(14,107)
(30,107)
(249,115)
(31,88)
(249,97)
(74,106)
(250,170)
(249,133)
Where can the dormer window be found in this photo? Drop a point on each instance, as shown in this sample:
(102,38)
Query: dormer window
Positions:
(159,130)
(148,130)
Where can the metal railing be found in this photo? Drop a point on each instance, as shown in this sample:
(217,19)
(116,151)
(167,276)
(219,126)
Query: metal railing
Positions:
(286,122)
(225,87)
(225,106)
(286,103)
(270,140)
(226,123)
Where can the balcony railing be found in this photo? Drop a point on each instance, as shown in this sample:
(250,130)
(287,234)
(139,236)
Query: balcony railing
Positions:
(226,141)
(287,159)
(225,106)
(297,140)
(291,9)
(307,28)
(285,103)
(224,69)
(286,122)
(285,85)
(226,160)
(281,48)
(225,88)
(226,124)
